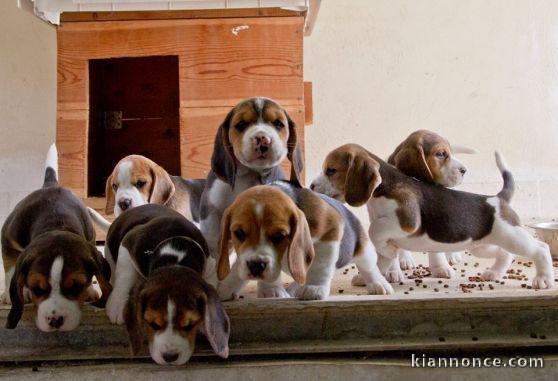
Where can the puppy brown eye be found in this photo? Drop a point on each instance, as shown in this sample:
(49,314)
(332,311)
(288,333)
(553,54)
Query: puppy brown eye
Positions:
(187,327)
(38,291)
(240,234)
(140,184)
(114,187)
(330,171)
(75,289)
(154,326)
(278,124)
(241,126)
(278,237)
(441,154)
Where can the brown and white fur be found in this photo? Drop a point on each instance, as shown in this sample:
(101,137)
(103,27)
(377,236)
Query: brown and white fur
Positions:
(165,256)
(49,256)
(281,227)
(414,215)
(429,157)
(255,137)
(137,180)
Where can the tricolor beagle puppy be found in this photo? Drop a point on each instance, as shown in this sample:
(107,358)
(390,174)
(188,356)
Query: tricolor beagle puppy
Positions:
(49,255)
(137,180)
(280,227)
(429,157)
(415,215)
(256,135)
(159,289)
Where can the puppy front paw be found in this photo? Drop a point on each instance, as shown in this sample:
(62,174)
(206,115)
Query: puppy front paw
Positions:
(406,261)
(311,292)
(358,281)
(543,282)
(454,258)
(442,272)
(115,309)
(292,289)
(379,288)
(395,275)
(272,292)
(5,298)
(226,294)
(491,275)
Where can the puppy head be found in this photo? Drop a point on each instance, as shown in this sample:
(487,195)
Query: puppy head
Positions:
(257,133)
(57,268)
(350,174)
(429,157)
(265,227)
(136,181)
(170,308)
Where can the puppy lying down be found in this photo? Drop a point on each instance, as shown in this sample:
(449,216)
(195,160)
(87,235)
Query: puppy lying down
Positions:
(285,227)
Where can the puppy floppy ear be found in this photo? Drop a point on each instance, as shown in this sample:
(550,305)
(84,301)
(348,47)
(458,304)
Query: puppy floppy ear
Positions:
(223,266)
(109,194)
(223,160)
(363,177)
(16,290)
(294,153)
(217,326)
(99,267)
(300,252)
(162,188)
(133,316)
(412,161)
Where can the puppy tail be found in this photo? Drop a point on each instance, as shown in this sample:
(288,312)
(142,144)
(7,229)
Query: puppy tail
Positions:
(508,189)
(99,220)
(51,167)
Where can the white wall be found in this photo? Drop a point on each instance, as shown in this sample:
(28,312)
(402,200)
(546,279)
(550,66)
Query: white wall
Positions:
(482,73)
(27,101)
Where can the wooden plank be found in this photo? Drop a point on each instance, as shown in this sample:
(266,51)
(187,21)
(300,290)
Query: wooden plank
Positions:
(198,129)
(71,140)
(308,104)
(219,65)
(178,14)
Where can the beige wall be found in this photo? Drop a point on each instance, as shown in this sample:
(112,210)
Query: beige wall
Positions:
(482,73)
(27,101)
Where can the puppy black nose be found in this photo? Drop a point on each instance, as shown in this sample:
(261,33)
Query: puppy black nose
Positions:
(124,203)
(262,143)
(170,357)
(56,322)
(256,267)
(312,186)
(463,170)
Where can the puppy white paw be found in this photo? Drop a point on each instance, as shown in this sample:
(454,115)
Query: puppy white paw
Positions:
(226,293)
(358,281)
(115,308)
(490,275)
(543,282)
(379,288)
(395,275)
(5,298)
(406,261)
(310,292)
(442,272)
(272,292)
(454,258)
(292,289)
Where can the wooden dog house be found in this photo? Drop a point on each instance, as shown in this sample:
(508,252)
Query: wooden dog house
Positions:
(159,83)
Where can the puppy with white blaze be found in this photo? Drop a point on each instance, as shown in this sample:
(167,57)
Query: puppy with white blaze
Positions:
(415,215)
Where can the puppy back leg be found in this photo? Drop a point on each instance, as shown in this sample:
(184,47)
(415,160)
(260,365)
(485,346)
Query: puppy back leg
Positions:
(390,268)
(454,258)
(124,279)
(367,264)
(502,263)
(406,260)
(439,266)
(321,271)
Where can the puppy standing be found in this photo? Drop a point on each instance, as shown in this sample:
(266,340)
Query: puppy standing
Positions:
(256,135)
(429,157)
(414,215)
(164,256)
(49,255)
(270,233)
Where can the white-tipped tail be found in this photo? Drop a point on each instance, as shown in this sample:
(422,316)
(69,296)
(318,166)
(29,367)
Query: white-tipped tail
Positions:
(463,149)
(500,162)
(52,159)
(99,220)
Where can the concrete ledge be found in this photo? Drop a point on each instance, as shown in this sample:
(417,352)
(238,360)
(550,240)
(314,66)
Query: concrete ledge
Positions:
(342,324)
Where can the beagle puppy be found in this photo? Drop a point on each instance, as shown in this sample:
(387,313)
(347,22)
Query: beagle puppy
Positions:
(415,215)
(159,289)
(255,137)
(49,256)
(137,180)
(282,227)
(429,157)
